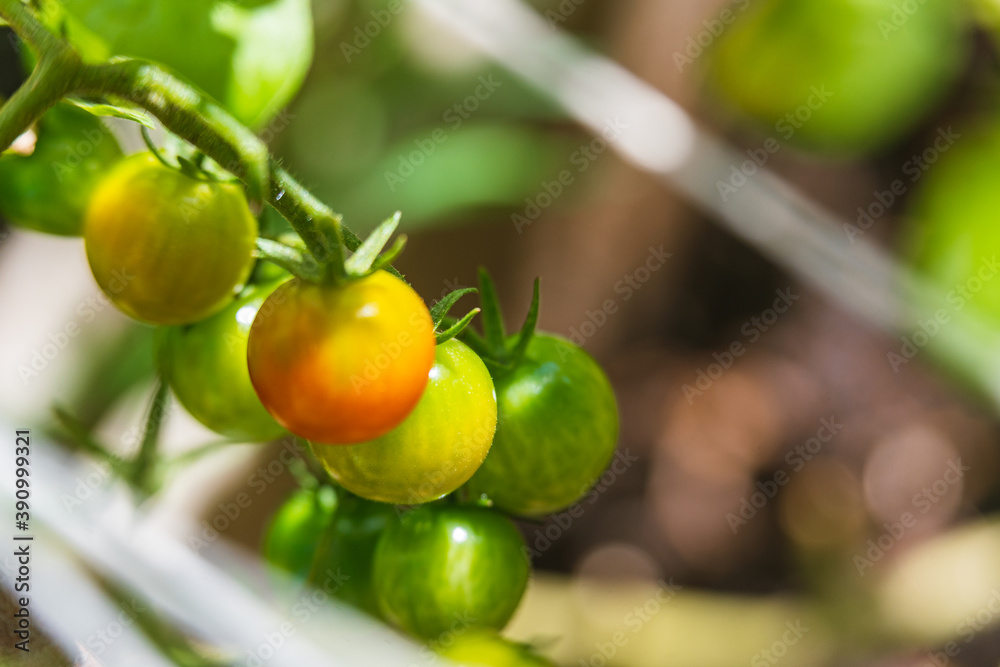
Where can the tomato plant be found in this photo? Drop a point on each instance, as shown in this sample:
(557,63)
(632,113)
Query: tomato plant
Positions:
(206,366)
(251,56)
(49,190)
(845,76)
(294,533)
(155,240)
(441,564)
(328,341)
(436,448)
(342,364)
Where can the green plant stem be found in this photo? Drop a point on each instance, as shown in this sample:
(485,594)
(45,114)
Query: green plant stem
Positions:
(146,460)
(183,110)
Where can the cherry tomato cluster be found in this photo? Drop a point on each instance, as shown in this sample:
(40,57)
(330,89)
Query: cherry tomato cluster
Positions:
(427,437)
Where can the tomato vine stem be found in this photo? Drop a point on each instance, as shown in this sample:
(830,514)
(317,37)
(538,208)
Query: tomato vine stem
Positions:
(184,111)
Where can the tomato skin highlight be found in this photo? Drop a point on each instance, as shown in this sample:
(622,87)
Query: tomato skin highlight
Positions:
(48,191)
(438,446)
(206,366)
(557,430)
(294,533)
(341,365)
(166,248)
(443,564)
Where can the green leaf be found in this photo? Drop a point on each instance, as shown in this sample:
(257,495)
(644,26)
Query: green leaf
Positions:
(442,307)
(456,328)
(114,111)
(493,326)
(361,261)
(252,57)
(528,329)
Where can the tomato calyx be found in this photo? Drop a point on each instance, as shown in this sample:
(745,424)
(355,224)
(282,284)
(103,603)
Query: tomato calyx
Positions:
(289,252)
(501,353)
(445,327)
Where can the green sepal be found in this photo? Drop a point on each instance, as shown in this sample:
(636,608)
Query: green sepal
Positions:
(441,309)
(360,263)
(493,325)
(456,328)
(297,262)
(527,329)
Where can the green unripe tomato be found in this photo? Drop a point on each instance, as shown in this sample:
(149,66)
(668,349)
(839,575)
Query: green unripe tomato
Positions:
(487,649)
(348,548)
(954,239)
(839,76)
(167,248)
(438,446)
(557,430)
(49,190)
(206,366)
(448,568)
(294,534)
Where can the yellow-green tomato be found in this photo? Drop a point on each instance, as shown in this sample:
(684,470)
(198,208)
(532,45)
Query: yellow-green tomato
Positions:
(167,248)
(478,648)
(839,76)
(438,446)
(206,366)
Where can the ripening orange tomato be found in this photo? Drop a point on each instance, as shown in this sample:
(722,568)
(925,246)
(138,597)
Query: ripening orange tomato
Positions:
(341,364)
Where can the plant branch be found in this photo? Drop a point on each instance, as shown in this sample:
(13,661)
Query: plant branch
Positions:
(183,110)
